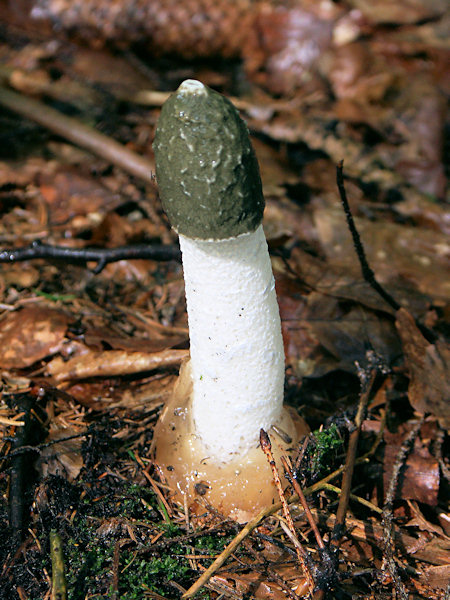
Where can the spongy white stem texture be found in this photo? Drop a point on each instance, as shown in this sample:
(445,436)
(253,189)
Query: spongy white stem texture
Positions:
(237,356)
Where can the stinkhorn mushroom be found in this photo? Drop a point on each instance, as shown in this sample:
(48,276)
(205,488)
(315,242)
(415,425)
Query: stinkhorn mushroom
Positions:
(208,436)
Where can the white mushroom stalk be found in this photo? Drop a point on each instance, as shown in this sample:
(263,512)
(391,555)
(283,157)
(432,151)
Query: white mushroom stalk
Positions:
(237,356)
(211,190)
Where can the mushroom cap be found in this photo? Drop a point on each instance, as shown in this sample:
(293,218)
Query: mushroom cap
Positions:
(206,168)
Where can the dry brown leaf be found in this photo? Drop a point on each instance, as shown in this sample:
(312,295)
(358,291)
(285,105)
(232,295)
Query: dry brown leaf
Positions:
(259,587)
(111,394)
(109,70)
(412,256)
(420,117)
(319,320)
(437,577)
(435,551)
(96,337)
(19,275)
(62,458)
(347,334)
(359,75)
(407,11)
(420,478)
(114,362)
(419,520)
(31,334)
(285,45)
(69,194)
(425,213)
(429,370)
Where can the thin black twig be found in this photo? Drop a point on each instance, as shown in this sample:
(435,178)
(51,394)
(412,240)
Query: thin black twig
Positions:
(388,515)
(102,256)
(187,539)
(367,272)
(275,542)
(39,447)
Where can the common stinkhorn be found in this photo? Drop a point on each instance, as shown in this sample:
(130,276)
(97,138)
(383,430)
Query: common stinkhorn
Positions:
(207,437)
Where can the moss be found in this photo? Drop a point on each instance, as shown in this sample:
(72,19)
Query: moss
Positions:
(94,516)
(327,444)
(154,574)
(102,521)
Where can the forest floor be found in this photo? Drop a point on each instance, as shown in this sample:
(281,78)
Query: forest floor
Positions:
(93,324)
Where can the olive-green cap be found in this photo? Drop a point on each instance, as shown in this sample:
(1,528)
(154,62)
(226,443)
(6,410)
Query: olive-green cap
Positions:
(206,168)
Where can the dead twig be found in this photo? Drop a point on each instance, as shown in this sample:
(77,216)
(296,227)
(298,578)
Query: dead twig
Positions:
(78,133)
(39,447)
(182,539)
(351,456)
(102,256)
(116,566)
(112,362)
(59,585)
(20,479)
(363,501)
(303,558)
(367,271)
(228,551)
(293,481)
(388,515)
(325,571)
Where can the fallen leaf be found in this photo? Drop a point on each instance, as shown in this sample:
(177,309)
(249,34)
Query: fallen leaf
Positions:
(284,46)
(437,577)
(429,370)
(69,195)
(95,338)
(421,522)
(62,458)
(408,11)
(435,552)
(358,75)
(419,479)
(20,275)
(414,257)
(31,334)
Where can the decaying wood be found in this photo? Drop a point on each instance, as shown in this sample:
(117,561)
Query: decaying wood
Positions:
(20,473)
(59,585)
(114,362)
